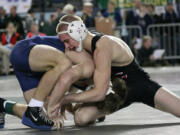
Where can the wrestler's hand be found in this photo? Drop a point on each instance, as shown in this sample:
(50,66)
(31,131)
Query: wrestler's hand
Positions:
(58,121)
(53,111)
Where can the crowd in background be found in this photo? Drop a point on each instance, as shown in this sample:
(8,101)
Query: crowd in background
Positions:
(13,27)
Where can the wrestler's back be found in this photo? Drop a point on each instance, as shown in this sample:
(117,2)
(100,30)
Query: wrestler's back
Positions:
(52,41)
(121,53)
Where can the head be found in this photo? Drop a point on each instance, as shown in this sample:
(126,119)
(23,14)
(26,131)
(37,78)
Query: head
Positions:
(147,42)
(1,10)
(143,8)
(151,8)
(69,9)
(111,5)
(170,7)
(34,28)
(13,10)
(88,8)
(53,17)
(59,10)
(137,4)
(71,31)
(31,12)
(10,28)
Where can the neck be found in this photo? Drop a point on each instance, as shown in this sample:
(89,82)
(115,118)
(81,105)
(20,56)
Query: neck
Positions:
(87,41)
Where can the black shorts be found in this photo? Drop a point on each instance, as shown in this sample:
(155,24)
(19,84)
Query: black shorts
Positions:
(140,86)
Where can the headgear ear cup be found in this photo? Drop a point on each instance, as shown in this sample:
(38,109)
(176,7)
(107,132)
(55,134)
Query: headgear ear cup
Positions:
(77,30)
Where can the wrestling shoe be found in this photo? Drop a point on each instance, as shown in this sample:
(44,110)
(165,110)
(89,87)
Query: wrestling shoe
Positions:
(2,119)
(35,118)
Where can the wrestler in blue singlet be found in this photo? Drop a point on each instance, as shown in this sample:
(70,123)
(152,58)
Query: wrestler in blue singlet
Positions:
(19,58)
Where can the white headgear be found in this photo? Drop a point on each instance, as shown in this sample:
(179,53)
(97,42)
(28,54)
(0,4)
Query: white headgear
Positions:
(77,30)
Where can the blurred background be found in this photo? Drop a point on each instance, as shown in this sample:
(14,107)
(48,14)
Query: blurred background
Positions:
(151,28)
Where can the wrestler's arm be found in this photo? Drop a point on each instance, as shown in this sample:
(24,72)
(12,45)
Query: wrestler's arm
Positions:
(83,69)
(102,60)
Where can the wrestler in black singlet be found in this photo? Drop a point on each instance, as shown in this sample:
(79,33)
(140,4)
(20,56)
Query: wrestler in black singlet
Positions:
(140,87)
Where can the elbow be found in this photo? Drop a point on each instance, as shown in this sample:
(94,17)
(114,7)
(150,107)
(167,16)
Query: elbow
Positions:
(100,97)
(102,94)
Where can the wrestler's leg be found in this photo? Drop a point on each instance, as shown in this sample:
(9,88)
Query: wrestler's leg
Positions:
(47,59)
(28,95)
(19,109)
(167,101)
(84,115)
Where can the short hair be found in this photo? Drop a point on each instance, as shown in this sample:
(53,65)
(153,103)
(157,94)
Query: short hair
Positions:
(87,4)
(152,6)
(10,23)
(66,18)
(13,6)
(146,38)
(30,11)
(112,2)
(68,7)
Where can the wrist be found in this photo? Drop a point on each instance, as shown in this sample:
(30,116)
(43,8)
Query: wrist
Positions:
(66,99)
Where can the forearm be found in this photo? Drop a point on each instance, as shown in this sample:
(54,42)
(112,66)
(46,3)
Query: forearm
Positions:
(47,83)
(91,95)
(63,84)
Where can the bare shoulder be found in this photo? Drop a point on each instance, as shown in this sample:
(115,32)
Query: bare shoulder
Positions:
(103,42)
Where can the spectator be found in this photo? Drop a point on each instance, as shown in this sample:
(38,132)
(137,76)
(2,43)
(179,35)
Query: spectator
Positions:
(133,15)
(112,12)
(151,10)
(87,17)
(34,31)
(30,18)
(170,15)
(56,21)
(124,32)
(69,9)
(144,18)
(7,43)
(49,28)
(17,21)
(132,18)
(168,34)
(3,18)
(145,54)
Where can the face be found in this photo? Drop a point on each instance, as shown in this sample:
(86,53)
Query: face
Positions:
(69,43)
(34,28)
(143,9)
(137,3)
(147,44)
(88,9)
(170,7)
(10,28)
(13,10)
(111,5)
